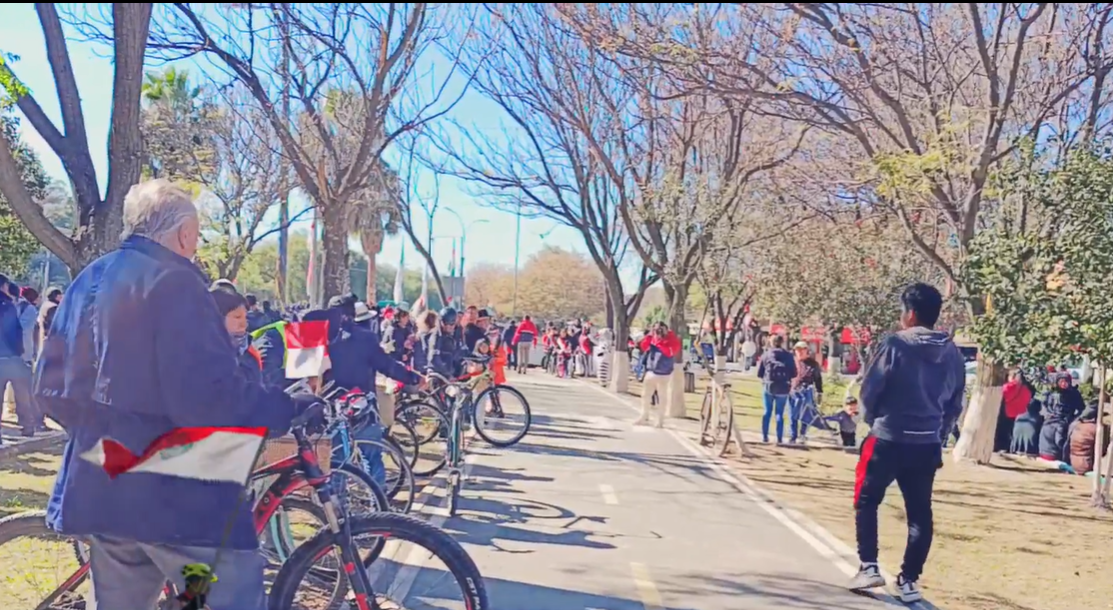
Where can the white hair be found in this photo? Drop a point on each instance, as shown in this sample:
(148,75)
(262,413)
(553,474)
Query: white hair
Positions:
(156,208)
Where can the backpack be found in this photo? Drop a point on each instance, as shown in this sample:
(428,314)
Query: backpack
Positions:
(776,370)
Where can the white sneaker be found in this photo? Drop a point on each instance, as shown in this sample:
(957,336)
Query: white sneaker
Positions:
(909,590)
(868,577)
(641,422)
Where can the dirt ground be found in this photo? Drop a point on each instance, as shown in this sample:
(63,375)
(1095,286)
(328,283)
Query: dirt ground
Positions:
(1010,536)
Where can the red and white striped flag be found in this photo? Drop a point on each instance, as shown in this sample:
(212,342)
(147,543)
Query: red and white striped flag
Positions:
(206,454)
(307,349)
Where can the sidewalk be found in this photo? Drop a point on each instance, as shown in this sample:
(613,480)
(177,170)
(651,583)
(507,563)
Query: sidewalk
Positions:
(589,512)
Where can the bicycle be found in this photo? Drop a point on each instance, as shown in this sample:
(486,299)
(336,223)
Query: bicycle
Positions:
(717,417)
(297,473)
(354,411)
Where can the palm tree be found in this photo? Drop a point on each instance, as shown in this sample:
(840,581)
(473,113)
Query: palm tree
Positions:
(171,89)
(373,218)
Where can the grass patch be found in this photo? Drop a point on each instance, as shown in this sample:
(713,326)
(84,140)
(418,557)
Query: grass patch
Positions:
(1010,536)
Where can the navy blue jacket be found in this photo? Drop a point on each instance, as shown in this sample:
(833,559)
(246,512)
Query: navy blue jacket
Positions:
(765,367)
(357,356)
(11,331)
(138,349)
(658,363)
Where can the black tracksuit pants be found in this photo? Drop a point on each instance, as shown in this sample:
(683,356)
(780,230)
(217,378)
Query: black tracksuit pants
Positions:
(913,467)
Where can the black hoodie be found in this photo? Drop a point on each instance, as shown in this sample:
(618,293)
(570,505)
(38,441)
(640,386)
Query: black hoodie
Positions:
(912,387)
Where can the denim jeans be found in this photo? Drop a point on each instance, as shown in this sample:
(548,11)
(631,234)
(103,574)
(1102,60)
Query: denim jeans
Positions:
(773,402)
(800,404)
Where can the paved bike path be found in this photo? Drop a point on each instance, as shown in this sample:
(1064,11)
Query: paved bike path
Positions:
(589,512)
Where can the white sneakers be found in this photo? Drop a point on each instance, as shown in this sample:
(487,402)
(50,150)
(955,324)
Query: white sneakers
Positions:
(869,577)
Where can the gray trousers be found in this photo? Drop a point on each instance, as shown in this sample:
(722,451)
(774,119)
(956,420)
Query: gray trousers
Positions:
(128,574)
(18,373)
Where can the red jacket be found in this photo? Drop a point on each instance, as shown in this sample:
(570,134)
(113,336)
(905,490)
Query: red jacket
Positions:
(669,345)
(526,326)
(1016,396)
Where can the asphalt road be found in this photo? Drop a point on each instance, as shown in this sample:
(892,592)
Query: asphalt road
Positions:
(589,512)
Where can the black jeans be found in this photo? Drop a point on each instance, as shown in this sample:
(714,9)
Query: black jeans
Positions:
(913,468)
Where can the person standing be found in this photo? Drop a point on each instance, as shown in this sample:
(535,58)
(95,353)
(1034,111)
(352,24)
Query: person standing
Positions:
(776,369)
(138,350)
(508,334)
(28,307)
(911,395)
(15,368)
(660,353)
(525,338)
(806,393)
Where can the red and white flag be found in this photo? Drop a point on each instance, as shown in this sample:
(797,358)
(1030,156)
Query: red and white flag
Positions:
(206,454)
(307,349)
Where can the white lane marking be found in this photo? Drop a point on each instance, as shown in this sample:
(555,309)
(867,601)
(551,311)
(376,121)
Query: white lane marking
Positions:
(608,494)
(815,535)
(647,591)
(414,562)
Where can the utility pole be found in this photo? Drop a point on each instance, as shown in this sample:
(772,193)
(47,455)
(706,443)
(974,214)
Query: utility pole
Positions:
(517,251)
(283,185)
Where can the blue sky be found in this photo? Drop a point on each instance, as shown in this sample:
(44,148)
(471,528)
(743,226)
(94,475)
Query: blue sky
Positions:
(491,241)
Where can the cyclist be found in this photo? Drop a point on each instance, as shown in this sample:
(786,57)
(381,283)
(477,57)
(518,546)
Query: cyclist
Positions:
(438,349)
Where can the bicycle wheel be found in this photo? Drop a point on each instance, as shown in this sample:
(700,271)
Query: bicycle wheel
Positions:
(398,474)
(455,481)
(395,578)
(430,424)
(502,415)
(54,577)
(296,520)
(724,424)
(705,419)
(403,435)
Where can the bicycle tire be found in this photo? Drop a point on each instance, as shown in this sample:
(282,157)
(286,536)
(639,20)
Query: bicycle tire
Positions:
(454,484)
(404,430)
(383,525)
(283,544)
(705,418)
(33,524)
(424,470)
(382,504)
(501,388)
(724,429)
(395,480)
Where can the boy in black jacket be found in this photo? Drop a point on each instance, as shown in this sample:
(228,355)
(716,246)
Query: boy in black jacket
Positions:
(911,392)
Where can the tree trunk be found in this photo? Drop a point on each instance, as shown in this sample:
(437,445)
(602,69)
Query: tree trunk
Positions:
(677,297)
(979,426)
(620,363)
(334,242)
(372,242)
(1099,444)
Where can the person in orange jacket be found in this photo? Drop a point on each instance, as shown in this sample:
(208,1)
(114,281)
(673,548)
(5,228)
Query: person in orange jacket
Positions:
(499,358)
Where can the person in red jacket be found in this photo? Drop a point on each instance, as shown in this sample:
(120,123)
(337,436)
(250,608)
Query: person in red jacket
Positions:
(524,339)
(1014,403)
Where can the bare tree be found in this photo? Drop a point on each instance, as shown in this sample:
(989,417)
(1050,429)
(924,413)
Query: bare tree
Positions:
(369,51)
(99,218)
(404,181)
(932,97)
(529,71)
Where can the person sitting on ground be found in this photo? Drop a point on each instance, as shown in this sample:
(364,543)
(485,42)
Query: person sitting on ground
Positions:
(1026,431)
(1083,438)
(847,420)
(1060,407)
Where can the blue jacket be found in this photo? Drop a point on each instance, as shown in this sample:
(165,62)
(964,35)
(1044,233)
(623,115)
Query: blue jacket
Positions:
(769,361)
(658,363)
(912,387)
(357,356)
(138,349)
(11,329)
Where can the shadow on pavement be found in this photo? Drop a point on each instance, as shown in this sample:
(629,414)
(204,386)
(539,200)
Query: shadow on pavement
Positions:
(771,590)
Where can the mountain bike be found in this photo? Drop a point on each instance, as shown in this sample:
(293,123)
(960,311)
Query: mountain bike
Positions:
(354,411)
(292,477)
(716,419)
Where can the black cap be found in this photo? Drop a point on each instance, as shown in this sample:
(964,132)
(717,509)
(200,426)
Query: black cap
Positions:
(483,313)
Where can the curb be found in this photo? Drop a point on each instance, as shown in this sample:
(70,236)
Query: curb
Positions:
(10,450)
(825,543)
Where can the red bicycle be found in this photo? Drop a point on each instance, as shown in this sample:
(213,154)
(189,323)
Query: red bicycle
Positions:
(347,536)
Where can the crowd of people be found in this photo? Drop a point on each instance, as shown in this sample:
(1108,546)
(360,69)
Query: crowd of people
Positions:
(24,318)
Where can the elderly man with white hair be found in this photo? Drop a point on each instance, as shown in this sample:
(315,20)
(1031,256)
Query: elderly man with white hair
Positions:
(138,349)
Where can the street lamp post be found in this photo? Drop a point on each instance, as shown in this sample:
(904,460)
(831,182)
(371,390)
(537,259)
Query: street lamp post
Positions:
(517,251)
(464,227)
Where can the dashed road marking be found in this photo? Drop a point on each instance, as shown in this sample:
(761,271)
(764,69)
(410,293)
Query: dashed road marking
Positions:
(647,591)
(608,494)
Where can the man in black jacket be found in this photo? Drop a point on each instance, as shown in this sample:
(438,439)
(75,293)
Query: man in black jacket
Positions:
(912,392)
